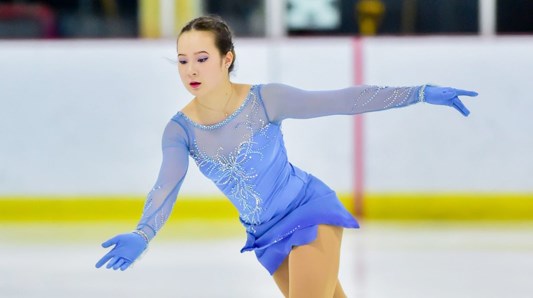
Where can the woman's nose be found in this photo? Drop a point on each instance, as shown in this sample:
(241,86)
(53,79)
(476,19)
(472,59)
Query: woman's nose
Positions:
(191,70)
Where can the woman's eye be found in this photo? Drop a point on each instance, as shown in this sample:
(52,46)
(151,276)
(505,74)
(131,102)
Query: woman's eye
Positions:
(182,61)
(201,60)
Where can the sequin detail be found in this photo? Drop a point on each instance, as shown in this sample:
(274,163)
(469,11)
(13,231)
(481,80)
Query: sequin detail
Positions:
(398,97)
(149,199)
(232,168)
(158,215)
(422,94)
(225,121)
(286,234)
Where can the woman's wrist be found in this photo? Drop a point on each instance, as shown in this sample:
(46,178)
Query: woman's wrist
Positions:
(143,235)
(422,93)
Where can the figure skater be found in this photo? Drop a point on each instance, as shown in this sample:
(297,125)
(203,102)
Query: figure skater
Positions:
(294,222)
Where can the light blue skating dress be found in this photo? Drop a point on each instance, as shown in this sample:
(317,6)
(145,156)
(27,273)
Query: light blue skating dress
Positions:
(279,204)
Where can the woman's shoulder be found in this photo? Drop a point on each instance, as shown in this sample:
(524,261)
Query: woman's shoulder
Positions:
(243,89)
(275,86)
(188,109)
(175,132)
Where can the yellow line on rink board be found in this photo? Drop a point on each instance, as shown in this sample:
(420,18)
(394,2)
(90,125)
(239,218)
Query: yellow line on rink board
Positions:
(392,206)
(449,206)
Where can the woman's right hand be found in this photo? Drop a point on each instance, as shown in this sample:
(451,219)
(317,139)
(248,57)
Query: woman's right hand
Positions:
(448,97)
(127,248)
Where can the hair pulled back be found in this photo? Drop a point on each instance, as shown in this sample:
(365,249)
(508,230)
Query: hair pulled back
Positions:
(220,30)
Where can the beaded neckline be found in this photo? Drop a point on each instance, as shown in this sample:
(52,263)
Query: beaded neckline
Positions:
(225,121)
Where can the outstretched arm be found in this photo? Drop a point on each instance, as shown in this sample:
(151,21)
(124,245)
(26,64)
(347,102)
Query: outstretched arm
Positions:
(282,101)
(161,198)
(129,246)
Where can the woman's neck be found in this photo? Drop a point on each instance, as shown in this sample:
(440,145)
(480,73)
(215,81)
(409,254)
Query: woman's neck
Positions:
(217,96)
(217,99)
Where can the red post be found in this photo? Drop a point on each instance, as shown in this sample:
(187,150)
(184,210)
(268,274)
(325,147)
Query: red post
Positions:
(359,165)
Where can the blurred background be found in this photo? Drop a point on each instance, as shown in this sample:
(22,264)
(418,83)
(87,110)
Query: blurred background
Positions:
(59,19)
(445,202)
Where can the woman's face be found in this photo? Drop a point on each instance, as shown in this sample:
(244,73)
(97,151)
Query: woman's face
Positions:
(200,64)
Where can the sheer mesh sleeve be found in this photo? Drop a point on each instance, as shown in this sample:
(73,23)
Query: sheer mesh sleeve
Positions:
(162,197)
(282,101)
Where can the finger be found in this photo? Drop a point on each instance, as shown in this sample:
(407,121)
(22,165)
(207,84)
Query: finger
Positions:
(110,242)
(466,92)
(458,105)
(125,265)
(104,260)
(112,262)
(118,264)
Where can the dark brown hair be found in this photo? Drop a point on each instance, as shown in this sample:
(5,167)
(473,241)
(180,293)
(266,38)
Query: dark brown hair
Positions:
(220,30)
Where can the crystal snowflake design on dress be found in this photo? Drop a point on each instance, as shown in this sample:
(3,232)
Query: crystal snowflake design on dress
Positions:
(233,169)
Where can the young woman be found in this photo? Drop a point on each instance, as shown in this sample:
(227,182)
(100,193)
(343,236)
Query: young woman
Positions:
(293,221)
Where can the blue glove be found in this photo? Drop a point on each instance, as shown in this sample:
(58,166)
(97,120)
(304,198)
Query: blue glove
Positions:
(128,247)
(448,97)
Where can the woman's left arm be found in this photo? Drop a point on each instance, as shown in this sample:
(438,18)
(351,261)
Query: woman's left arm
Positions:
(282,101)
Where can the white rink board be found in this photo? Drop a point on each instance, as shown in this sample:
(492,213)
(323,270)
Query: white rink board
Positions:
(85,117)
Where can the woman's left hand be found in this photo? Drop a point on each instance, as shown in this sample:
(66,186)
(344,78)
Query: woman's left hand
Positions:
(447,96)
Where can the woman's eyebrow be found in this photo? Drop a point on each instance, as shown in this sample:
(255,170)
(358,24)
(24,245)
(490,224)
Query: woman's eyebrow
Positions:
(196,53)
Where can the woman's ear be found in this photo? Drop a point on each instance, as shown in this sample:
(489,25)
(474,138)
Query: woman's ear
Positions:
(228,59)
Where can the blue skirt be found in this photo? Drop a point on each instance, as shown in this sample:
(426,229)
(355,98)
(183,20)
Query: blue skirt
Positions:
(316,204)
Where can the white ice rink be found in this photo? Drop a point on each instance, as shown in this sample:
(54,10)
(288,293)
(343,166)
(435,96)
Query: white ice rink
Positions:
(423,259)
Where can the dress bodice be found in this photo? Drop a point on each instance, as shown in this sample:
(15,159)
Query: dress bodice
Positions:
(245,156)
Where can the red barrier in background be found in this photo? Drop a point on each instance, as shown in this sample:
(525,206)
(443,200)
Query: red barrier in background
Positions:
(37,13)
(358,161)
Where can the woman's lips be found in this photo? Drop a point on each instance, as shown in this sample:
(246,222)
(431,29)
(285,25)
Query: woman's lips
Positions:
(195,84)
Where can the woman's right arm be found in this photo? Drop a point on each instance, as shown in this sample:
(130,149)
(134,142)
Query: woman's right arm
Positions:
(129,246)
(162,197)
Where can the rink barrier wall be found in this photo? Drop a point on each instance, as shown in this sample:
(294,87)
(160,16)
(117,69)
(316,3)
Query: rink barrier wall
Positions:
(78,119)
(86,150)
(406,206)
